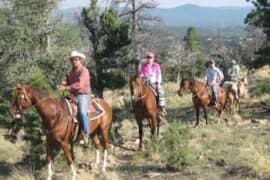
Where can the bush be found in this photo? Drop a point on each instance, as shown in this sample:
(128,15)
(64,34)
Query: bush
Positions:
(172,147)
(114,80)
(261,88)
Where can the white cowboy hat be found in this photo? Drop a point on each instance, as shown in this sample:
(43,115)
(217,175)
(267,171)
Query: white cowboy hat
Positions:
(77,54)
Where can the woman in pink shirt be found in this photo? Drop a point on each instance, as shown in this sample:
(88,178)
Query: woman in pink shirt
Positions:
(151,72)
(78,83)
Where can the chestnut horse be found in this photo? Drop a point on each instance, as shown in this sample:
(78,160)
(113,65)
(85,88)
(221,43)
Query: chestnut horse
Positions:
(201,97)
(145,105)
(58,123)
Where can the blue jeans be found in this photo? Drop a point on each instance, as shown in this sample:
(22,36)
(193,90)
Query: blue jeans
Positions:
(83,103)
(215,91)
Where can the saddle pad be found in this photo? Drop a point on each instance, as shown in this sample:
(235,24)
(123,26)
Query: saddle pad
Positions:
(95,110)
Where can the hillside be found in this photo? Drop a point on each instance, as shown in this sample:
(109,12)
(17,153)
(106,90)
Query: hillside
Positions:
(238,149)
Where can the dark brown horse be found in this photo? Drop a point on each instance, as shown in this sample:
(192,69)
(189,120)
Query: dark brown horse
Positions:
(58,123)
(201,97)
(145,105)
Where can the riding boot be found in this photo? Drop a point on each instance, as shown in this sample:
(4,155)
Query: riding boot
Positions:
(84,139)
(163,111)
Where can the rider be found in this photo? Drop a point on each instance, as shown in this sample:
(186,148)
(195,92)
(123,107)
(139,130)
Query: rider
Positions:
(151,72)
(213,77)
(78,84)
(234,72)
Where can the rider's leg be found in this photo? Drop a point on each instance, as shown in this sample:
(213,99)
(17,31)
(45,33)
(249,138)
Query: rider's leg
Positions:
(161,100)
(83,103)
(215,93)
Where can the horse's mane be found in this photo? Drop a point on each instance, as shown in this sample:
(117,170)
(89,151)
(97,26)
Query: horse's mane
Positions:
(40,91)
(194,81)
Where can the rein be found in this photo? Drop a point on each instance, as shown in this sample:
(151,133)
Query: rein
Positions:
(45,99)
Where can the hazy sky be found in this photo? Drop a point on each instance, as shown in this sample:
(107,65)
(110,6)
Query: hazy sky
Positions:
(167,3)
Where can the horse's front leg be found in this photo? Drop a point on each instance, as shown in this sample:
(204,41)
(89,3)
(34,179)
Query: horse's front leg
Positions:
(140,126)
(205,108)
(197,110)
(219,111)
(153,124)
(68,154)
(49,160)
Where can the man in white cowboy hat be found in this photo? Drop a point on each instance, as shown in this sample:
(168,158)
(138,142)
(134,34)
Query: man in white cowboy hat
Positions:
(234,74)
(78,84)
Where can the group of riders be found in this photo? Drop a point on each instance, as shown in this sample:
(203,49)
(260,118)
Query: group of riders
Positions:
(78,83)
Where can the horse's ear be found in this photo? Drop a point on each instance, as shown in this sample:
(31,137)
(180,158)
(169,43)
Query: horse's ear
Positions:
(18,85)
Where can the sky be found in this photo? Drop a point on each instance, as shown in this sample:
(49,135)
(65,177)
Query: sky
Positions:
(166,3)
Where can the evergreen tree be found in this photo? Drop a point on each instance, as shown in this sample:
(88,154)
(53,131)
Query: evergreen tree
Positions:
(259,17)
(109,38)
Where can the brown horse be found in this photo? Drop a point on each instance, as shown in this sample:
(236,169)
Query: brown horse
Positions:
(145,105)
(201,97)
(58,123)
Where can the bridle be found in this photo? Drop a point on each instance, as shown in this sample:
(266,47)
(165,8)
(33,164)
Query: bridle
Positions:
(136,98)
(23,97)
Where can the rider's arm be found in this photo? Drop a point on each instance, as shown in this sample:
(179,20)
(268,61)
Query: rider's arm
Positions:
(159,75)
(220,75)
(205,78)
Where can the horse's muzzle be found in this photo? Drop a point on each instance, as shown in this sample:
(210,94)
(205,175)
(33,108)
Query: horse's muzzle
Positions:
(179,93)
(15,114)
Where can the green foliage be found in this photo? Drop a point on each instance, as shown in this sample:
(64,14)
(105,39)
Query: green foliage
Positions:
(172,147)
(259,17)
(262,58)
(114,80)
(261,88)
(172,73)
(110,40)
(192,39)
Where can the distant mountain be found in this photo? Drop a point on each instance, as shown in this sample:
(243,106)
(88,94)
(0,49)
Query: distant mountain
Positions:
(192,15)
(189,15)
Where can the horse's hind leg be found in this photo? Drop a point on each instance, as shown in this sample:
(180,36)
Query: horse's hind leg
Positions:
(205,114)
(140,126)
(49,161)
(158,125)
(67,150)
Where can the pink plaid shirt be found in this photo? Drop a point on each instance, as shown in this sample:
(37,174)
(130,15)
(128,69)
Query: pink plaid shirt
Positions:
(153,72)
(79,81)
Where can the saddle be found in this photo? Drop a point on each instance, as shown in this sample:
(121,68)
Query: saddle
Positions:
(153,87)
(221,91)
(94,110)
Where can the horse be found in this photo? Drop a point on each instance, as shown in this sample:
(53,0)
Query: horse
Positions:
(145,105)
(232,90)
(201,97)
(59,125)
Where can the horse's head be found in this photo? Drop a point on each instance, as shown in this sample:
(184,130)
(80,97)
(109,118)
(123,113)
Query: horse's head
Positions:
(136,87)
(22,100)
(184,84)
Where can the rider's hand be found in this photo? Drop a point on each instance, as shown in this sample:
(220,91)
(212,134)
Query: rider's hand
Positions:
(62,87)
